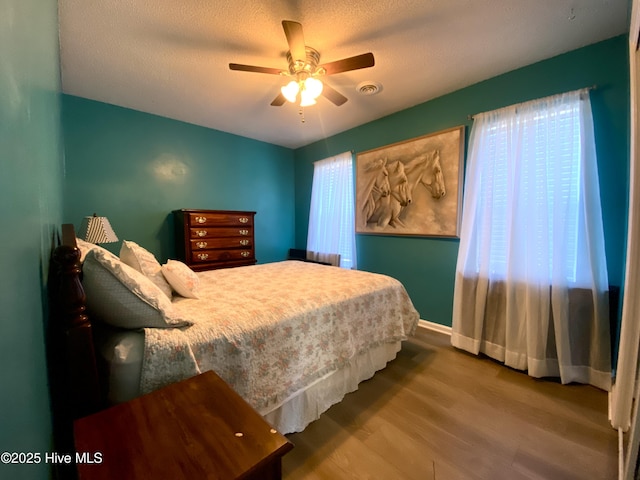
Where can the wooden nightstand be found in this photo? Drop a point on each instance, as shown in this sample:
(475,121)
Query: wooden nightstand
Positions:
(195,429)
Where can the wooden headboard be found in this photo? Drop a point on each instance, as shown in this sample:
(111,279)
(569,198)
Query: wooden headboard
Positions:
(74,382)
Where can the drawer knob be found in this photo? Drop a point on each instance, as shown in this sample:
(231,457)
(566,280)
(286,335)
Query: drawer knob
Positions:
(243,232)
(201,244)
(244,242)
(243,219)
(203,256)
(245,254)
(201,219)
(201,233)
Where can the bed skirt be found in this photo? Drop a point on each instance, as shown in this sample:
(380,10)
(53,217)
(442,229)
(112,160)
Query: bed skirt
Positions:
(306,406)
(123,353)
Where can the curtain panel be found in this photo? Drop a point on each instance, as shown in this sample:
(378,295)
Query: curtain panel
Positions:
(623,410)
(331,235)
(531,287)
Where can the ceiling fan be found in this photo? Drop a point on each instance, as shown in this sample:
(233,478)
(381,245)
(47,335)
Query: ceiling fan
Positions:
(304,70)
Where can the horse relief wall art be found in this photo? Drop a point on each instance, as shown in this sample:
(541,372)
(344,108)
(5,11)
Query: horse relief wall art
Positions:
(412,187)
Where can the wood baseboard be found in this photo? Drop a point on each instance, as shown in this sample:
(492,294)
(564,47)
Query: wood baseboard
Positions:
(437,327)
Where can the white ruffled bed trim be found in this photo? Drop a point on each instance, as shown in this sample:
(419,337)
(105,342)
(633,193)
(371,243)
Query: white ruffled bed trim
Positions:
(306,406)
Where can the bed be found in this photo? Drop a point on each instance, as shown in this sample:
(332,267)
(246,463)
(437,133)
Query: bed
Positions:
(292,338)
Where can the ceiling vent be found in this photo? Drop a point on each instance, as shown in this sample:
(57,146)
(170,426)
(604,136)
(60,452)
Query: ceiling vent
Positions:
(368,88)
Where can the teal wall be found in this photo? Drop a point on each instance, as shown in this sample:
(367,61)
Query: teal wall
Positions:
(31,208)
(426,266)
(136,168)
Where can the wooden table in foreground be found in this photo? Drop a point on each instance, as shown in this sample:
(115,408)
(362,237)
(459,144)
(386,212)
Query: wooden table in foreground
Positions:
(195,429)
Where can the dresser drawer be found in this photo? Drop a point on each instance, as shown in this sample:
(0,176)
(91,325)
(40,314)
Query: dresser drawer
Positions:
(230,242)
(221,232)
(219,219)
(205,256)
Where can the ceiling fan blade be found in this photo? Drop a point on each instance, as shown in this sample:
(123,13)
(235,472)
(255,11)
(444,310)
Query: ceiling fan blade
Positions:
(278,101)
(295,39)
(365,60)
(253,68)
(333,95)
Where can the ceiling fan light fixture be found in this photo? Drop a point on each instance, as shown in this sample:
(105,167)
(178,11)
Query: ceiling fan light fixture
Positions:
(313,87)
(303,62)
(306,99)
(290,91)
(308,89)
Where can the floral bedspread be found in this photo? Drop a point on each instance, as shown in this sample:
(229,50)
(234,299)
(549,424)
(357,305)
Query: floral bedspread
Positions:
(271,330)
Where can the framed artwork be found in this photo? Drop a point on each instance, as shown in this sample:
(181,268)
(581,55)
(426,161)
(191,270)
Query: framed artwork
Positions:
(412,187)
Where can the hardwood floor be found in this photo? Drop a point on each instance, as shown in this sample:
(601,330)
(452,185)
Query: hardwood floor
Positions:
(436,413)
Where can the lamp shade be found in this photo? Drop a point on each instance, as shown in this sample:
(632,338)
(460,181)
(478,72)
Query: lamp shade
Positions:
(97,230)
(313,86)
(290,91)
(306,99)
(308,89)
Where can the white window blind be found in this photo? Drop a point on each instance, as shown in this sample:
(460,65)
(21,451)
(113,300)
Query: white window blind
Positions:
(529,168)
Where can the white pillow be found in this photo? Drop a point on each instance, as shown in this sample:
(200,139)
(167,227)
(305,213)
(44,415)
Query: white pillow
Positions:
(123,297)
(85,247)
(181,278)
(145,262)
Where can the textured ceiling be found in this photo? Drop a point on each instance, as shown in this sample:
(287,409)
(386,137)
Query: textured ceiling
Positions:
(170,57)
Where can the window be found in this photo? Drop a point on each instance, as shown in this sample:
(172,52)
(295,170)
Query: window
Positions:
(527,176)
(331,217)
(531,285)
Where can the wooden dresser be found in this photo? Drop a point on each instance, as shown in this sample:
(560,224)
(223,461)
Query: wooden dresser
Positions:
(209,239)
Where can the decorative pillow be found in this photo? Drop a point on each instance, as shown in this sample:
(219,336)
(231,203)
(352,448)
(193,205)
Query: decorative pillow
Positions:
(85,247)
(182,279)
(145,262)
(123,297)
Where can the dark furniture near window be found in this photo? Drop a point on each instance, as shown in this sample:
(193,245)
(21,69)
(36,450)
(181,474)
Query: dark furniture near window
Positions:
(299,254)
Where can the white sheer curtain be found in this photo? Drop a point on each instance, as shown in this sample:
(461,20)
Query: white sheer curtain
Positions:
(531,285)
(332,217)
(623,410)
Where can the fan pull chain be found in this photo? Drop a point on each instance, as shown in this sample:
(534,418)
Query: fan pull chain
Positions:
(301,113)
